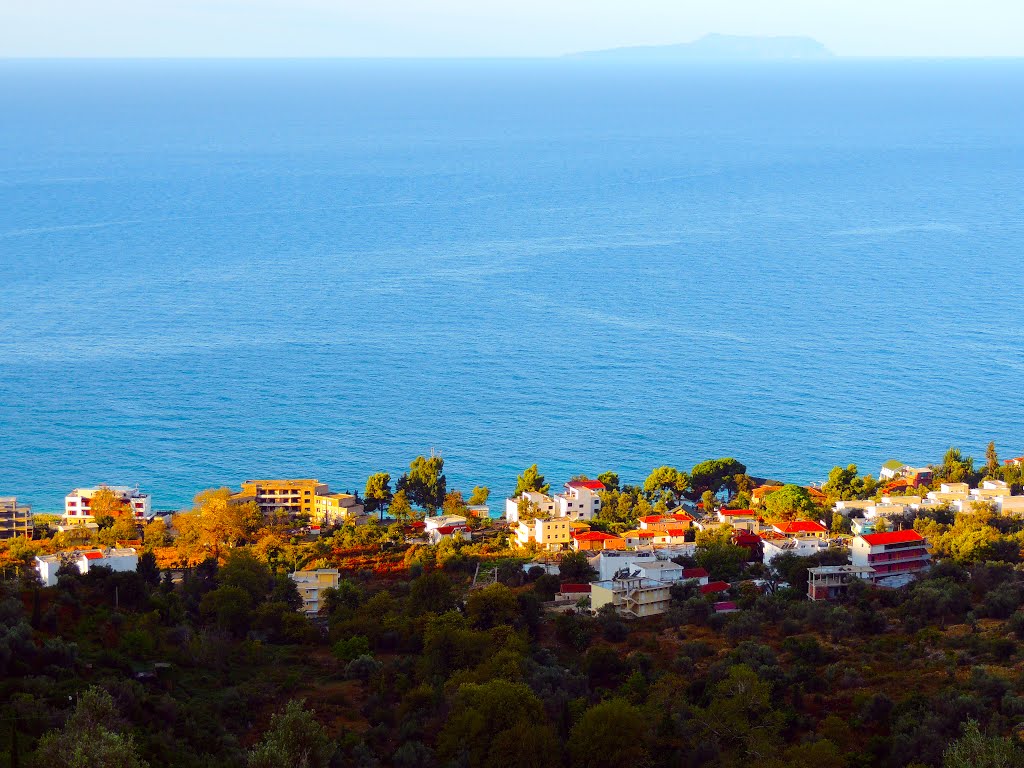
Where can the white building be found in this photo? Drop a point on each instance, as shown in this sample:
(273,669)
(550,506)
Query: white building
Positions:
(48,565)
(311,585)
(801,546)
(77,503)
(445,527)
(609,562)
(1011,505)
(664,571)
(894,553)
(545,505)
(126,559)
(636,597)
(580,501)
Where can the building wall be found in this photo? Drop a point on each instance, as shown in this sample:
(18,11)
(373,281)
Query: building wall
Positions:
(77,503)
(15,518)
(292,496)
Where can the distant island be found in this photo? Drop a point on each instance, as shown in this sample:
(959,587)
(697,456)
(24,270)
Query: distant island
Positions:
(719,48)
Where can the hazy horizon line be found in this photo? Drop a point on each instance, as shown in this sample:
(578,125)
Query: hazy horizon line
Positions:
(574,56)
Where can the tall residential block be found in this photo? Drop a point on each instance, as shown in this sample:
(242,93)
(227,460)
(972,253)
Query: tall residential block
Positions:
(15,518)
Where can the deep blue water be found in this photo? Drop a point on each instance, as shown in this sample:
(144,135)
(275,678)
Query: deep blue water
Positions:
(215,271)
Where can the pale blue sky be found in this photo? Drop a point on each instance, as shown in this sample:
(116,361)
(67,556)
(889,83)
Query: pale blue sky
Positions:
(495,27)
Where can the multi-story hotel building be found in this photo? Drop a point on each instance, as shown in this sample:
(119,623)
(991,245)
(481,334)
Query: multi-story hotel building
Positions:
(15,518)
(891,553)
(293,497)
(77,504)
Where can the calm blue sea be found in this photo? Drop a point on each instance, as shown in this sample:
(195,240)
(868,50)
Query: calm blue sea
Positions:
(211,271)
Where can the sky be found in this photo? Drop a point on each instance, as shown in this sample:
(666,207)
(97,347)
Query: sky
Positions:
(274,28)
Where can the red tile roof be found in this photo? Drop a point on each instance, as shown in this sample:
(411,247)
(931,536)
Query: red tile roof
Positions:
(594,485)
(737,512)
(444,530)
(92,555)
(694,573)
(675,531)
(650,519)
(682,517)
(566,587)
(593,536)
(892,537)
(763,490)
(801,526)
(714,586)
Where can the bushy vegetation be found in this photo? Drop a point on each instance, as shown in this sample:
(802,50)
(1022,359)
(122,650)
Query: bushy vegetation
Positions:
(200,659)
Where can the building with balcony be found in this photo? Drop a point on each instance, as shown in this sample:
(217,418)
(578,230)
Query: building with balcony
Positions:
(543,505)
(15,518)
(311,585)
(292,497)
(78,503)
(891,553)
(551,534)
(634,596)
(828,582)
(335,508)
(580,501)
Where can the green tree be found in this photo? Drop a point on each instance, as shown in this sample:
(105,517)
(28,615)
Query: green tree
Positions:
(844,484)
(432,593)
(707,499)
(722,559)
(228,608)
(479,496)
(106,503)
(90,737)
(377,494)
(294,739)
(596,741)
(740,719)
(454,504)
(575,568)
(425,482)
(530,480)
(955,468)
(790,502)
(155,534)
(400,509)
(526,509)
(976,750)
(496,724)
(666,482)
(492,606)
(716,474)
(610,480)
(991,460)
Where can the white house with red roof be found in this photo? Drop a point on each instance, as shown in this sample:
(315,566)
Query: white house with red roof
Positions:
(580,501)
(892,553)
(700,575)
(123,559)
(445,527)
(801,528)
(747,519)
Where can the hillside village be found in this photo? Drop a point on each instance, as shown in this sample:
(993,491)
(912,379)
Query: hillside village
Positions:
(656,600)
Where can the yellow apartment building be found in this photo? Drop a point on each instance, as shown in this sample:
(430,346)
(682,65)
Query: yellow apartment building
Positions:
(293,497)
(335,508)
